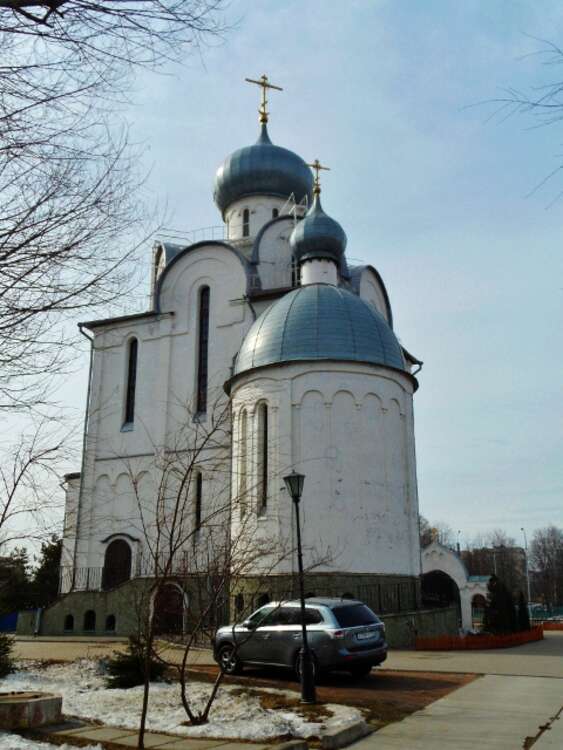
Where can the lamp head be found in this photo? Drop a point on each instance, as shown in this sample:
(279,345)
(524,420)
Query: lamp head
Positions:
(294,483)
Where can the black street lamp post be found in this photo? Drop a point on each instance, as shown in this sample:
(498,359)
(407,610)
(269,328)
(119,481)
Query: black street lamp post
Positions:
(294,483)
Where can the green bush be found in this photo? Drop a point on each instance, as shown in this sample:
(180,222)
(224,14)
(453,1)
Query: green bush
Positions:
(127,669)
(500,612)
(6,661)
(523,613)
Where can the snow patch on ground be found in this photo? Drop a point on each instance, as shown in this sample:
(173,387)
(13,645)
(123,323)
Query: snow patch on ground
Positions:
(235,713)
(15,742)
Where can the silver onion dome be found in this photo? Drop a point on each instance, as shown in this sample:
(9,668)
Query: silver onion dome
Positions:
(262,169)
(318,236)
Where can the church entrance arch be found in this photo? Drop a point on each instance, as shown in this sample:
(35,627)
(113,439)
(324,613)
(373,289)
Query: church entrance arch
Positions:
(445,580)
(170,606)
(117,564)
(440,590)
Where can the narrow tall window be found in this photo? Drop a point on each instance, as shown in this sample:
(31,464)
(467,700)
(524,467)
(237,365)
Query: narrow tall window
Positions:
(203,346)
(262,458)
(198,501)
(246,223)
(243,437)
(295,275)
(275,213)
(131,381)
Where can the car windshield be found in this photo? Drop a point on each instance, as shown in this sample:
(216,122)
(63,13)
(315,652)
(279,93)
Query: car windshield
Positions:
(352,615)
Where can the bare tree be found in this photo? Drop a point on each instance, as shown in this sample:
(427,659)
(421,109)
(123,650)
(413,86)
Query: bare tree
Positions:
(71,213)
(29,482)
(187,540)
(69,204)
(542,104)
(546,560)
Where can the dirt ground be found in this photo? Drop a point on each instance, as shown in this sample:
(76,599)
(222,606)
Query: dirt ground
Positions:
(385,695)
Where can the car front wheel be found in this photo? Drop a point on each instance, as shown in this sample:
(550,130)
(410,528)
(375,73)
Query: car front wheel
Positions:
(228,661)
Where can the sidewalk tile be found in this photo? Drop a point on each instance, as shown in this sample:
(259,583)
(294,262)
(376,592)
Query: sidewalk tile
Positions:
(192,743)
(152,739)
(99,734)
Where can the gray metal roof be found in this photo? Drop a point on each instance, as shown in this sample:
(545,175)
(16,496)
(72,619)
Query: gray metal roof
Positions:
(320,322)
(262,169)
(318,236)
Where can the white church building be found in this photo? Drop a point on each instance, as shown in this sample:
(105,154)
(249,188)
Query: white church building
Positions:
(272,323)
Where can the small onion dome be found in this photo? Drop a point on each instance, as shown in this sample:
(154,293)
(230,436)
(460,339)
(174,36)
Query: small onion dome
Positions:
(320,322)
(318,236)
(262,169)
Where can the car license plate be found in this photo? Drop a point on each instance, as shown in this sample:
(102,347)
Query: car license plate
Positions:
(364,636)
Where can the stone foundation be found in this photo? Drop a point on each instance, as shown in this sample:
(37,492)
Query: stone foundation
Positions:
(127,603)
(29,710)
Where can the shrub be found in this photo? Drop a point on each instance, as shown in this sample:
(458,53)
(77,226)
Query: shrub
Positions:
(523,613)
(127,669)
(500,612)
(6,661)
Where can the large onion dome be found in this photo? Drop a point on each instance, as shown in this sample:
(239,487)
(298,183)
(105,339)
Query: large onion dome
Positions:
(262,169)
(320,322)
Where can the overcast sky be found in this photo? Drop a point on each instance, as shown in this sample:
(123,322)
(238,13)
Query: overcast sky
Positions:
(429,190)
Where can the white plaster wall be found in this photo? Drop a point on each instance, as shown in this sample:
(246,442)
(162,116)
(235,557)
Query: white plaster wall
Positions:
(275,258)
(319,271)
(165,392)
(348,428)
(261,211)
(372,292)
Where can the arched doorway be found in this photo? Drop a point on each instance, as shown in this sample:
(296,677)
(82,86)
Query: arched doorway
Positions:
(440,590)
(478,604)
(169,606)
(117,564)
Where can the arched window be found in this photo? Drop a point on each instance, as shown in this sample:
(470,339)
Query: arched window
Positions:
(262,462)
(131,381)
(246,223)
(202,350)
(117,564)
(239,603)
(275,213)
(69,624)
(198,500)
(90,621)
(243,458)
(110,623)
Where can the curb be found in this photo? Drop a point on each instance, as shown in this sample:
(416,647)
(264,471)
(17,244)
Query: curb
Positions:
(346,736)
(293,745)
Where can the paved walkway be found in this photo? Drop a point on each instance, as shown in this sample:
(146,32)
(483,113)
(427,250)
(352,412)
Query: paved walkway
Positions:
(493,713)
(124,738)
(519,698)
(539,659)
(70,649)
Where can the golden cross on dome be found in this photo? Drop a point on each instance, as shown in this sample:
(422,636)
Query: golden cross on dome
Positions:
(265,84)
(317,166)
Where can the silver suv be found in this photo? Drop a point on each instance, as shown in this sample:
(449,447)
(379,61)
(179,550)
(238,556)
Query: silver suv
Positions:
(342,633)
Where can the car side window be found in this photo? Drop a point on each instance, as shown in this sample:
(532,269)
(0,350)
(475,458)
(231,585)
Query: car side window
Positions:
(292,616)
(312,616)
(262,617)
